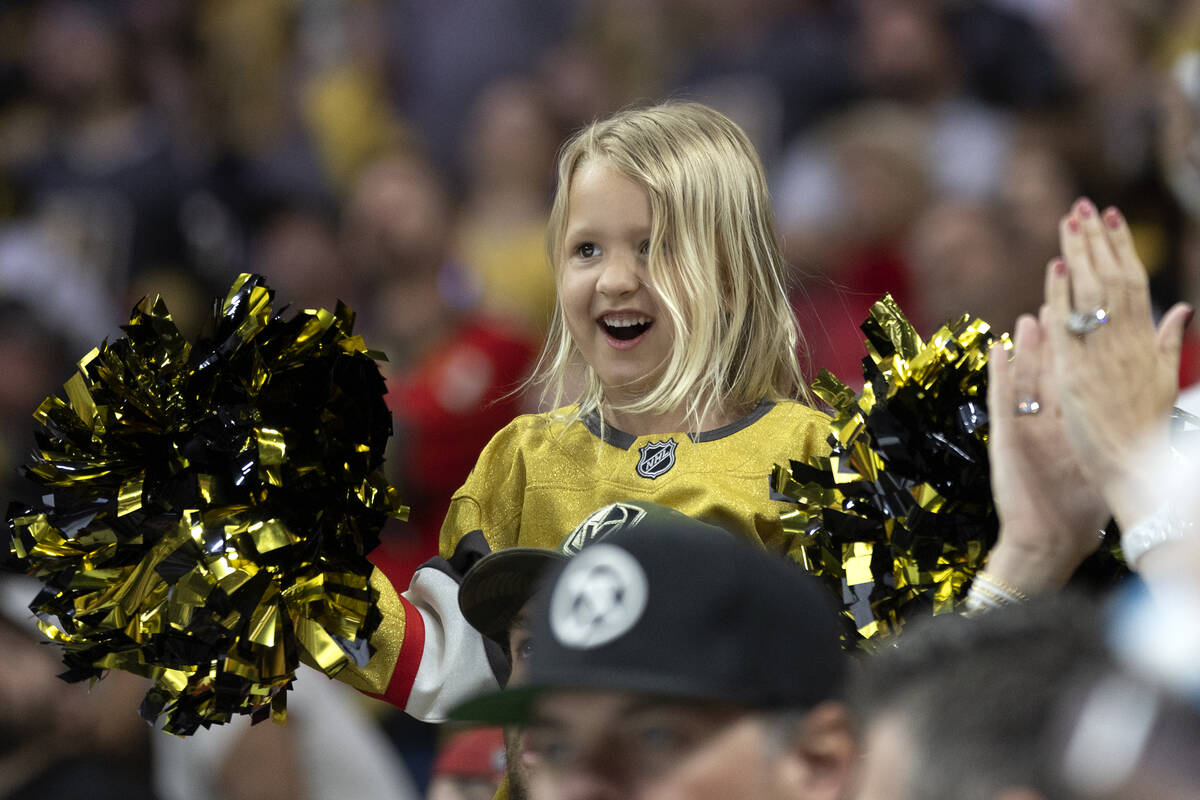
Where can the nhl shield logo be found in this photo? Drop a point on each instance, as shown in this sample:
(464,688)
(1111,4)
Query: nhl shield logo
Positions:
(656,458)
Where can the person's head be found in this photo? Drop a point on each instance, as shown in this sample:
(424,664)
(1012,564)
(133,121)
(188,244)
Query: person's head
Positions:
(680,661)
(961,257)
(470,765)
(670,279)
(397,219)
(395,241)
(80,55)
(497,597)
(511,136)
(297,248)
(965,708)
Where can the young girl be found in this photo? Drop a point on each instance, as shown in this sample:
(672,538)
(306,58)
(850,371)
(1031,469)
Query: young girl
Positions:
(671,303)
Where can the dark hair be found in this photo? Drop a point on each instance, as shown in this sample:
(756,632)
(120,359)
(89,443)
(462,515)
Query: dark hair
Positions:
(977,697)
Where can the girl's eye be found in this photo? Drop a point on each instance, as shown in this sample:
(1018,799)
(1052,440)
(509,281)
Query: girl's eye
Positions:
(645,248)
(586,250)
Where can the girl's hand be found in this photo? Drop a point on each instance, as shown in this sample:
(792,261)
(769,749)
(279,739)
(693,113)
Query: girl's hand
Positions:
(1050,518)
(1117,378)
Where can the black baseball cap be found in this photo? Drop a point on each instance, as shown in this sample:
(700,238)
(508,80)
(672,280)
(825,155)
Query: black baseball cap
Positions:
(499,585)
(679,611)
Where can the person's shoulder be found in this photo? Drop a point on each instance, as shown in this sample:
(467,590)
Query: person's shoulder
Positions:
(793,429)
(540,422)
(796,412)
(532,430)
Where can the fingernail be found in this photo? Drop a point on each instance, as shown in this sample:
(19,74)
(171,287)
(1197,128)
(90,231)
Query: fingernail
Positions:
(1112,218)
(1073,224)
(1060,266)
(1187,322)
(1086,209)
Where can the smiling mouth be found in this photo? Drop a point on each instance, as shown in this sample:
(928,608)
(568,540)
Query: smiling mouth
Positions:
(626,330)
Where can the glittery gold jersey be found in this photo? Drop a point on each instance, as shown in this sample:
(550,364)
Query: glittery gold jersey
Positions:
(536,481)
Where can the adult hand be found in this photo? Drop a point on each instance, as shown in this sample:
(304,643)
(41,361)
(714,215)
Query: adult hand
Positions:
(1117,379)
(1050,517)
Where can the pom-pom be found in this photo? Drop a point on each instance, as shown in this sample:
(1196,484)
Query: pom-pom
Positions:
(208,508)
(899,516)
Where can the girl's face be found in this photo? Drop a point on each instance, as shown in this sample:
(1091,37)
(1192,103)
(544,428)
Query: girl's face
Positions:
(611,312)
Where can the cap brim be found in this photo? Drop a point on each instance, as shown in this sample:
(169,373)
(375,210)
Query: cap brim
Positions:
(505,707)
(499,585)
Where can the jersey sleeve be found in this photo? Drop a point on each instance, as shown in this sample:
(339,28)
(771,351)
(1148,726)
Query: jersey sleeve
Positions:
(428,658)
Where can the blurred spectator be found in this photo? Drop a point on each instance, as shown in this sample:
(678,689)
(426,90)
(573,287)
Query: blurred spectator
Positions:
(452,370)
(964,708)
(1038,185)
(330,747)
(443,54)
(1108,48)
(579,82)
(35,362)
(906,51)
(469,766)
(1009,60)
(846,201)
(103,178)
(773,66)
(297,249)
(963,263)
(510,143)
(61,740)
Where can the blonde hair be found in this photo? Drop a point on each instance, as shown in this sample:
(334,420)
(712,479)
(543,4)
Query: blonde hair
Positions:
(714,262)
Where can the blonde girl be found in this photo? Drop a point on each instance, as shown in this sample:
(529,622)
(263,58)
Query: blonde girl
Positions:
(671,307)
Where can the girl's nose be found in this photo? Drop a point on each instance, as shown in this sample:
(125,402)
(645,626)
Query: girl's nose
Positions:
(620,276)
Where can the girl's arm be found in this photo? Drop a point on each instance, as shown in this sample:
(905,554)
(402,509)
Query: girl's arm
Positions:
(427,658)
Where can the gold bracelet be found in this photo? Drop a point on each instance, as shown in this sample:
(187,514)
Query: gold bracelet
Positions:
(1003,586)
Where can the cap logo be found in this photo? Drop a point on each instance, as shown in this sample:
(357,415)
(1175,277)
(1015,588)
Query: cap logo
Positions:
(600,523)
(656,458)
(599,597)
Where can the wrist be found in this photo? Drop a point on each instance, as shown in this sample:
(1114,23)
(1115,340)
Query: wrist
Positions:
(1138,485)
(1032,569)
(1164,525)
(989,592)
(1133,499)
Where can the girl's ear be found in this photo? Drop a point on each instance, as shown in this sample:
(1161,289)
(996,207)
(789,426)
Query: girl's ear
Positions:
(819,758)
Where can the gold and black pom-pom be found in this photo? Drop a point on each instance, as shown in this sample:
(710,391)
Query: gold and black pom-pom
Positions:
(208,507)
(899,517)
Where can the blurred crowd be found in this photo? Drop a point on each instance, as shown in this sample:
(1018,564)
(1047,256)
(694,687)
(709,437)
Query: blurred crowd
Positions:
(398,155)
